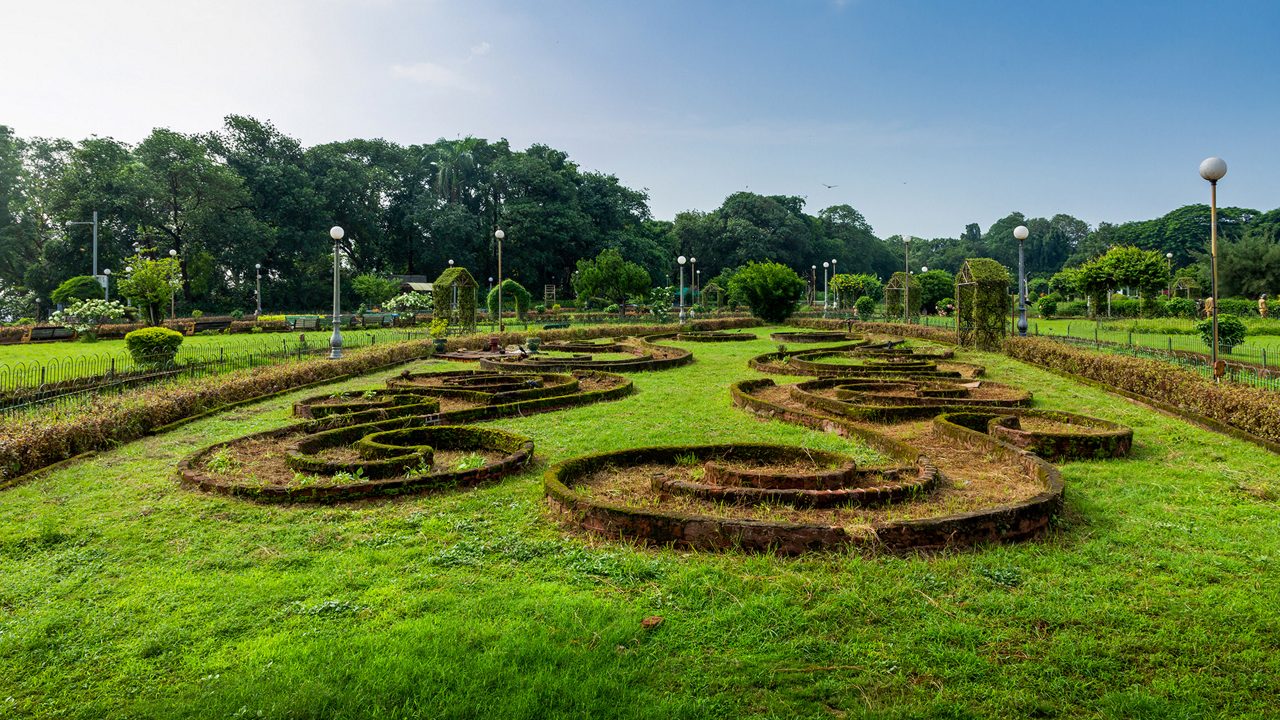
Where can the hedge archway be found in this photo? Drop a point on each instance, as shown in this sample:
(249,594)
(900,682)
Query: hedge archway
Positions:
(893,291)
(983,303)
(513,294)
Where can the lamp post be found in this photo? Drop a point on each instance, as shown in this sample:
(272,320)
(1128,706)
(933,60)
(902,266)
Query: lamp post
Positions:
(1168,264)
(906,278)
(173,296)
(835,305)
(813,285)
(1021,234)
(499,235)
(335,340)
(681,260)
(825,285)
(257,277)
(1214,169)
(106,285)
(94,223)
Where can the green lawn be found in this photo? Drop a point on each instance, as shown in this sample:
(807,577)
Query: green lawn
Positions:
(195,344)
(1116,331)
(1156,596)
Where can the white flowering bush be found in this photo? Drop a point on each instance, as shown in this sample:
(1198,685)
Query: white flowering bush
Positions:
(410,302)
(84,316)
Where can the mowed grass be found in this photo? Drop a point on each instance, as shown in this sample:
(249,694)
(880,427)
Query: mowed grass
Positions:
(203,345)
(123,595)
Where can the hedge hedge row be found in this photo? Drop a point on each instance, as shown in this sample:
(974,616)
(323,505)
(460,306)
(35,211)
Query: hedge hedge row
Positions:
(1252,410)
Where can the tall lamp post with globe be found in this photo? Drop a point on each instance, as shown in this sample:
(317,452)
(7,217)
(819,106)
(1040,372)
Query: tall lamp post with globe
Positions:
(1021,234)
(173,296)
(257,278)
(825,285)
(499,235)
(335,340)
(681,261)
(1214,169)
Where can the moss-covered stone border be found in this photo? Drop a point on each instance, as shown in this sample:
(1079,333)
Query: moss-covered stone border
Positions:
(1097,440)
(813,336)
(518,449)
(715,336)
(1001,523)
(644,362)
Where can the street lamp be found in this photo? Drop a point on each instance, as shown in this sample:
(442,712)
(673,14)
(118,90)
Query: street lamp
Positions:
(813,286)
(94,223)
(173,296)
(681,261)
(499,235)
(257,277)
(1021,232)
(335,340)
(106,284)
(1168,264)
(825,303)
(836,304)
(1214,169)
(693,281)
(906,278)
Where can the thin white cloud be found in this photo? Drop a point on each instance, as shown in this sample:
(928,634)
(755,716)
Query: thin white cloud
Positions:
(481,49)
(431,74)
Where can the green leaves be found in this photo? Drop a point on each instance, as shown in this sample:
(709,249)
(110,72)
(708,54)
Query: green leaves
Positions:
(772,290)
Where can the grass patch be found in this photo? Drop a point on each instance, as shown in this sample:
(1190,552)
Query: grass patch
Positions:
(125,596)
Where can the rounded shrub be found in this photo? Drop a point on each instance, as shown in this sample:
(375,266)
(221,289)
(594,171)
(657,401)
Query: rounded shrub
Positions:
(1048,306)
(153,345)
(772,290)
(1231,332)
(866,306)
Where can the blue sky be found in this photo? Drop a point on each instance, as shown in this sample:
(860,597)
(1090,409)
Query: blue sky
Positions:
(925,115)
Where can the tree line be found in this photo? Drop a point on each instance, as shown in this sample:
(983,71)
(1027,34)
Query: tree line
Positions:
(248,194)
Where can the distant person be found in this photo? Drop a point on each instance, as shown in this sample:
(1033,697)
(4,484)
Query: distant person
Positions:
(1262,305)
(1208,307)
(1199,307)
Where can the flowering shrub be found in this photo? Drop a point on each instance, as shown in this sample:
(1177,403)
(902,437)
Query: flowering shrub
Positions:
(410,302)
(86,315)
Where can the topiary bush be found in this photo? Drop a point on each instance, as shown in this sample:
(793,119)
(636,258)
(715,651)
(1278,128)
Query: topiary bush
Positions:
(983,303)
(1047,307)
(866,306)
(772,290)
(153,346)
(1231,332)
(80,287)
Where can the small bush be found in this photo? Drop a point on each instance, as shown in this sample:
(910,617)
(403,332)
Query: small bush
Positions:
(153,345)
(609,309)
(1231,331)
(772,290)
(865,305)
(80,287)
(236,314)
(197,314)
(1180,307)
(1047,307)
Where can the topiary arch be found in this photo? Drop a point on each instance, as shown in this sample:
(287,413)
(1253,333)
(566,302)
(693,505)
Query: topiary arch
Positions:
(893,291)
(454,297)
(513,293)
(983,303)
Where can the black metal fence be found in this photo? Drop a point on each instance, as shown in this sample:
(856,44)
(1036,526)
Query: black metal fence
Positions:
(56,383)
(1245,364)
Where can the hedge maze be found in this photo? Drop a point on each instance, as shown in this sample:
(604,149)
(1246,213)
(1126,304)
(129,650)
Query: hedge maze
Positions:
(963,461)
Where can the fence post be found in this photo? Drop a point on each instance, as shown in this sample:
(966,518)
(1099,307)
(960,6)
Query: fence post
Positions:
(250,361)
(113,366)
(1264,357)
(42,373)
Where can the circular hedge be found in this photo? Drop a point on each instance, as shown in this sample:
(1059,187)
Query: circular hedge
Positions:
(394,457)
